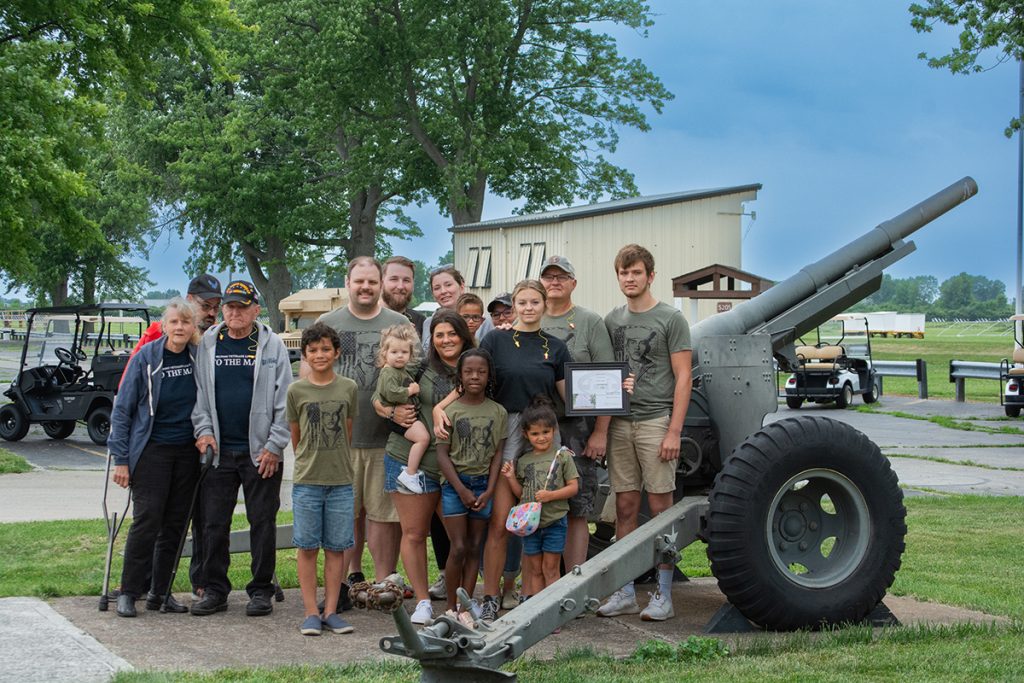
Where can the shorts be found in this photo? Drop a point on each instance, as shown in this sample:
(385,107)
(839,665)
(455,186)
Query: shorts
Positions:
(574,433)
(394,467)
(633,462)
(323,517)
(368,474)
(548,539)
(452,505)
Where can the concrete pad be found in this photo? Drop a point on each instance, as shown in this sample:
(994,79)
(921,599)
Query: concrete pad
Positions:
(173,642)
(38,644)
(958,478)
(1011,458)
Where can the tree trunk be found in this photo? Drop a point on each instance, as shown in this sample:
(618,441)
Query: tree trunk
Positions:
(467,202)
(89,284)
(59,293)
(269,272)
(362,223)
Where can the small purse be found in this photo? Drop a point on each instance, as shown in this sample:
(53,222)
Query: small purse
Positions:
(523,519)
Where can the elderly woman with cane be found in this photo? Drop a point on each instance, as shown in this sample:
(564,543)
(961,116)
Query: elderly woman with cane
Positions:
(152,448)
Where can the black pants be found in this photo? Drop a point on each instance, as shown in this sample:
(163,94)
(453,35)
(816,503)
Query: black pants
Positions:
(439,539)
(162,486)
(262,500)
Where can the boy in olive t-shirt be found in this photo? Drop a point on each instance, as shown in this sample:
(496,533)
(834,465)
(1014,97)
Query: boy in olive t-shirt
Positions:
(320,410)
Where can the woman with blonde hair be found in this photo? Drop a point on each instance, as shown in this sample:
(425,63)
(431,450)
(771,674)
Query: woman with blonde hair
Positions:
(153,448)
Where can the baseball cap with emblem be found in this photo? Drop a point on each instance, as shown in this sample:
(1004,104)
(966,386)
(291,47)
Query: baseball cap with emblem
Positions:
(241,292)
(561,263)
(205,286)
(503,299)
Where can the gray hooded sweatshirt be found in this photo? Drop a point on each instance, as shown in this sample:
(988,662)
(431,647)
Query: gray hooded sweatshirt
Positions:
(268,424)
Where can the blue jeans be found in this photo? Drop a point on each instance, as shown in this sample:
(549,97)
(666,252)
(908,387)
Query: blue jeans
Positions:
(452,505)
(324,517)
(549,539)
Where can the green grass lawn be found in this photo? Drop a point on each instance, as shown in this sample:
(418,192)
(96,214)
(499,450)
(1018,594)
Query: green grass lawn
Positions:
(13,464)
(961,550)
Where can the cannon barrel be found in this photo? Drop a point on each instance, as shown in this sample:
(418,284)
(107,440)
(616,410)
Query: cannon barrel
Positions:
(755,314)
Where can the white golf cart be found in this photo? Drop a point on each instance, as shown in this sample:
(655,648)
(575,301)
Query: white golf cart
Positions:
(1011,372)
(836,367)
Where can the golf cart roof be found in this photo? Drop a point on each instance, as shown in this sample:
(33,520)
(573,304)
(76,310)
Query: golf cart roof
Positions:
(1018,316)
(94,318)
(87,309)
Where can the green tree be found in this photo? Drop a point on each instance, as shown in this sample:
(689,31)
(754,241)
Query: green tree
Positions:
(904,295)
(986,27)
(517,97)
(971,297)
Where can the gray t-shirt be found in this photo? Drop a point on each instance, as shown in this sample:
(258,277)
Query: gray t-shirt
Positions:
(584,332)
(646,342)
(360,340)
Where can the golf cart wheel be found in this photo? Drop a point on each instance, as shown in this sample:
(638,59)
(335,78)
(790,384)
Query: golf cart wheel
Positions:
(806,525)
(13,423)
(871,395)
(98,425)
(794,402)
(1011,411)
(845,396)
(59,429)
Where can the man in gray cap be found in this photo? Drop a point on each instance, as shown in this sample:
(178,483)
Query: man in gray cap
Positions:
(586,335)
(242,377)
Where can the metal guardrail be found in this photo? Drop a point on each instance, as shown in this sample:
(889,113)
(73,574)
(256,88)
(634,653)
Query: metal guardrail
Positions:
(918,369)
(961,370)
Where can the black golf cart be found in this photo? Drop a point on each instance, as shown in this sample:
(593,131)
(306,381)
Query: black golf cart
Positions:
(91,345)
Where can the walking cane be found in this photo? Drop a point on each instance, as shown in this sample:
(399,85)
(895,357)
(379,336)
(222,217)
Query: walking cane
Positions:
(204,466)
(113,528)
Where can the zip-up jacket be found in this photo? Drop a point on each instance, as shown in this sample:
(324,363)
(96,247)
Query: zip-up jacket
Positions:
(131,419)
(268,423)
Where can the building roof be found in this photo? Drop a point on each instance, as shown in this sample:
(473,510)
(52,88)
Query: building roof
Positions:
(614,206)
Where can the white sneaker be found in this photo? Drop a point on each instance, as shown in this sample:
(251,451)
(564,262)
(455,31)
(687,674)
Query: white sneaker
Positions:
(424,614)
(439,589)
(410,483)
(620,603)
(659,608)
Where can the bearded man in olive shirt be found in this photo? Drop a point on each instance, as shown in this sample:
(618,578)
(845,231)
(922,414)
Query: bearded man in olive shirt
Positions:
(359,325)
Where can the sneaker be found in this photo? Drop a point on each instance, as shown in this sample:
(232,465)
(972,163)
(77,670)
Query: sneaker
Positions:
(659,608)
(355,577)
(210,603)
(155,602)
(310,626)
(259,606)
(344,600)
(424,613)
(336,624)
(410,483)
(488,609)
(510,600)
(439,589)
(620,603)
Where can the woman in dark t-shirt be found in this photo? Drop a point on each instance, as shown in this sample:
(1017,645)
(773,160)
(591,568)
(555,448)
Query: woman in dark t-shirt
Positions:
(153,448)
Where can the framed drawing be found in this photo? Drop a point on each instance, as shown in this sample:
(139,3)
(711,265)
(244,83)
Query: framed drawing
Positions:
(596,389)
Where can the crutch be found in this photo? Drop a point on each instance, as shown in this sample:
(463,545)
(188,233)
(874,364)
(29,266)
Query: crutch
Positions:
(204,466)
(113,528)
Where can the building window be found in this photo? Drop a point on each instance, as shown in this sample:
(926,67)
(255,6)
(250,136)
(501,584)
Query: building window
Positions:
(531,256)
(478,268)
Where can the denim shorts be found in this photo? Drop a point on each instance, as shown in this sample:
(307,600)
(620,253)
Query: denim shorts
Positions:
(323,517)
(549,539)
(451,504)
(394,467)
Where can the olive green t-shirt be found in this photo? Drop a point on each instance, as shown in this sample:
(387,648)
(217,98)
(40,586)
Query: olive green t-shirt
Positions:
(434,386)
(322,456)
(393,385)
(360,340)
(646,341)
(475,434)
(584,332)
(532,472)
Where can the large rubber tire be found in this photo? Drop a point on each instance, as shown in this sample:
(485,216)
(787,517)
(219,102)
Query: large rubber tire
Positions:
(845,396)
(794,402)
(1011,411)
(98,425)
(871,395)
(766,528)
(13,423)
(59,429)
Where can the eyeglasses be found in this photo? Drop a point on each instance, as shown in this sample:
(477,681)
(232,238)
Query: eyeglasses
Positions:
(556,278)
(472,318)
(505,313)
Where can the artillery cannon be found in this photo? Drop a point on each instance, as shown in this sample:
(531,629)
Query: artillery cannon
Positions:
(804,519)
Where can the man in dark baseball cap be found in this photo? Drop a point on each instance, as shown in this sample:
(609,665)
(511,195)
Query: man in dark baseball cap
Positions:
(500,309)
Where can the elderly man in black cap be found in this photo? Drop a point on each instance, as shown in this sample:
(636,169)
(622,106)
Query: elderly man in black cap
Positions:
(242,378)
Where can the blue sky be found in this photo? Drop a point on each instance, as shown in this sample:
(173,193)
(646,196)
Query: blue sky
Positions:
(827,106)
